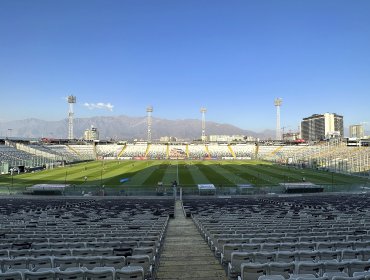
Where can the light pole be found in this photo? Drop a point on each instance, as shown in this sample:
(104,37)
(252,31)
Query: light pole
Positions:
(101,174)
(11,172)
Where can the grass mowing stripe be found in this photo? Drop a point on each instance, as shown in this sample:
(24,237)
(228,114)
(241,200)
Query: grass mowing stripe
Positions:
(142,171)
(275,177)
(185,177)
(170,174)
(338,178)
(156,176)
(297,177)
(212,176)
(197,174)
(231,176)
(251,176)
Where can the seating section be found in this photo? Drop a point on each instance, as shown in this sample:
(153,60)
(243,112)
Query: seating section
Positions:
(219,151)
(17,157)
(309,236)
(82,238)
(108,151)
(197,151)
(157,152)
(134,151)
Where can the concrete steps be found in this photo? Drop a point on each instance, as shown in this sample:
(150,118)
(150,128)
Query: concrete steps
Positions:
(185,254)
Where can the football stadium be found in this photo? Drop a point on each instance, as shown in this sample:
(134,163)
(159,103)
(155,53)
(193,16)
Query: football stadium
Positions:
(145,210)
(130,182)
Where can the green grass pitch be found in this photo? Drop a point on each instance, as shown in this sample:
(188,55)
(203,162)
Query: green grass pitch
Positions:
(146,174)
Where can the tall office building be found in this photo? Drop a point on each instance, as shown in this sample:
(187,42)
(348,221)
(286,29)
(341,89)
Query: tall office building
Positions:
(356,131)
(322,126)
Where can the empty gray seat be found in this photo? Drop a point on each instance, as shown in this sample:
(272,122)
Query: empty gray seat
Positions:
(252,271)
(38,275)
(130,273)
(100,273)
(284,269)
(11,275)
(76,274)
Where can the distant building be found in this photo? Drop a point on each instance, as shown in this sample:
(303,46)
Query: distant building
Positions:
(322,126)
(168,139)
(291,136)
(91,134)
(226,138)
(356,131)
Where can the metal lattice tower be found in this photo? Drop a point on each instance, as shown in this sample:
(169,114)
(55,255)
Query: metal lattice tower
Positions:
(203,111)
(277,103)
(149,111)
(71,100)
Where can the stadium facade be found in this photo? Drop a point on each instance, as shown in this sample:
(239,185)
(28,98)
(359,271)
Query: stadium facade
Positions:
(322,126)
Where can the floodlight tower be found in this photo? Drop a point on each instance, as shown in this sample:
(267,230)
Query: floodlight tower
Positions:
(71,100)
(149,111)
(277,104)
(203,110)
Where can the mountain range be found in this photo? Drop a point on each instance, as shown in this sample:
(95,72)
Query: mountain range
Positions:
(123,128)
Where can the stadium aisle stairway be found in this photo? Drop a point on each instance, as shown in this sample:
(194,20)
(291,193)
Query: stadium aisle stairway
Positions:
(185,254)
(147,149)
(231,151)
(73,150)
(122,151)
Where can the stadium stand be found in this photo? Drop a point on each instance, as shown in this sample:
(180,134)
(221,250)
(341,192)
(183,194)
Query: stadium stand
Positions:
(135,150)
(156,152)
(97,238)
(197,151)
(108,151)
(219,151)
(177,152)
(324,236)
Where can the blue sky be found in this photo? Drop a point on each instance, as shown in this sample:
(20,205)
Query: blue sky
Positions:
(231,56)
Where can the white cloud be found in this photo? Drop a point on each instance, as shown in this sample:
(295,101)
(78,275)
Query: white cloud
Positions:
(99,105)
